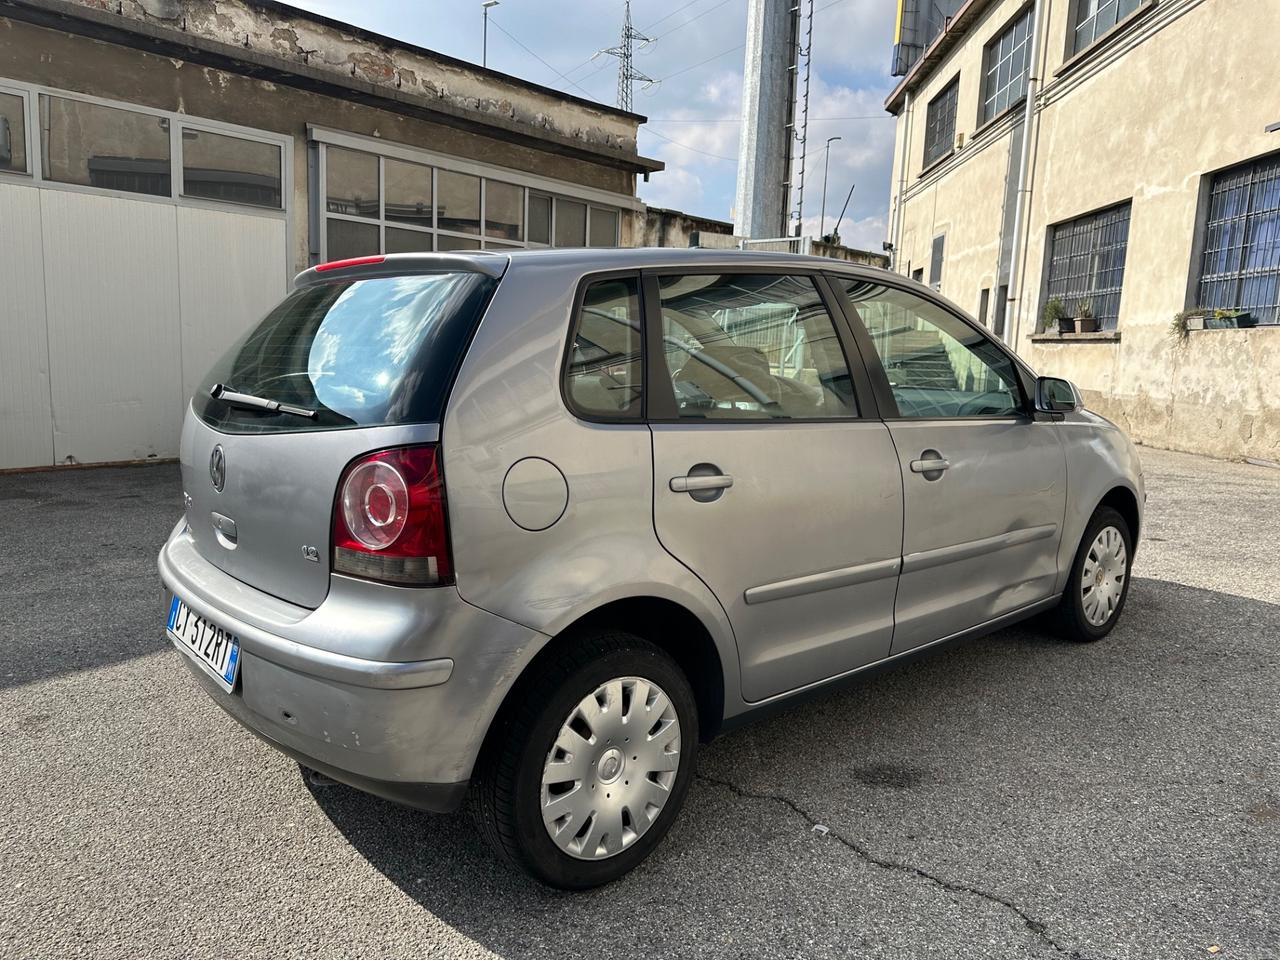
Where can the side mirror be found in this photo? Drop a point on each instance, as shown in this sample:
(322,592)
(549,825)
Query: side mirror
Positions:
(1055,395)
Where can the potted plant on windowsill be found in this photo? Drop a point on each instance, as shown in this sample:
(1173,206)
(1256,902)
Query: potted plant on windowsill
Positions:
(1055,314)
(1086,322)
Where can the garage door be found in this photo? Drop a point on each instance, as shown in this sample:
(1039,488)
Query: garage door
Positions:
(113,306)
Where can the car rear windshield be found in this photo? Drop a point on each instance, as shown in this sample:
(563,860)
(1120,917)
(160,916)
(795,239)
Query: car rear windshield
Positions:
(359,353)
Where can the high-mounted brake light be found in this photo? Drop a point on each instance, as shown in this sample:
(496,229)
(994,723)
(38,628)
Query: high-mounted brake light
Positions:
(353,262)
(390,522)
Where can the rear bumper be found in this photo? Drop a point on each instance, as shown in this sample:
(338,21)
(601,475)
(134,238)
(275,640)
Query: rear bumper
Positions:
(409,728)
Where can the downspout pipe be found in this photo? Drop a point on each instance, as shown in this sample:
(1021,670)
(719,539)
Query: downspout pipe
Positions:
(902,182)
(1022,203)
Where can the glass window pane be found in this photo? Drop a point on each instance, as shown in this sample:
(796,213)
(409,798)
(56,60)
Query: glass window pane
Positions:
(495,245)
(219,167)
(346,239)
(358,352)
(105,147)
(604,227)
(351,182)
(446,242)
(408,190)
(459,202)
(503,210)
(605,373)
(407,241)
(938,366)
(571,223)
(539,218)
(13,134)
(744,347)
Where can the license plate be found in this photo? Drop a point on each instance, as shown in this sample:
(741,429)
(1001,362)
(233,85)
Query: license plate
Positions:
(215,649)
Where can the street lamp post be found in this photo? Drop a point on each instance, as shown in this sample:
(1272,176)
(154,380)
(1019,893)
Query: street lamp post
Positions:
(484,45)
(826,166)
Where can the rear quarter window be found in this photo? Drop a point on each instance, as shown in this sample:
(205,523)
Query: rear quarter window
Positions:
(358,352)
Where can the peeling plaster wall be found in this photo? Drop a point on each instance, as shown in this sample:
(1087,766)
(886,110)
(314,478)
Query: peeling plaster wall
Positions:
(1147,117)
(299,39)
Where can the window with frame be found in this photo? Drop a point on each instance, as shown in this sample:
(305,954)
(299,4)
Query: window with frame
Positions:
(752,347)
(605,374)
(940,123)
(217,166)
(380,204)
(1006,61)
(937,365)
(1086,263)
(1096,17)
(13,133)
(109,147)
(1240,269)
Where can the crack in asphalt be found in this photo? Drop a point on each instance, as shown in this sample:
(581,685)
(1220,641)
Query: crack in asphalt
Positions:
(1039,929)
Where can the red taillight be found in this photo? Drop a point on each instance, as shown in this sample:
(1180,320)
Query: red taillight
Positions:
(353,262)
(390,522)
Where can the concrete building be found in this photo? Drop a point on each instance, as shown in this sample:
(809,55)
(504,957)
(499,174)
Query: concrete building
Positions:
(1113,154)
(166,167)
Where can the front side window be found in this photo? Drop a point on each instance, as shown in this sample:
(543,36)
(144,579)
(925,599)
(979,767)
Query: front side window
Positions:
(1096,17)
(108,147)
(1240,271)
(1006,59)
(220,167)
(13,134)
(752,347)
(938,366)
(1086,263)
(940,123)
(604,377)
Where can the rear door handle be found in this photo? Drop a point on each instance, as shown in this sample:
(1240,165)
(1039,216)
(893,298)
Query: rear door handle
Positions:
(929,466)
(691,484)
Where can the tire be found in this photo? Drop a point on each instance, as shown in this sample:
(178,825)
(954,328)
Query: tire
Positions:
(1079,612)
(591,846)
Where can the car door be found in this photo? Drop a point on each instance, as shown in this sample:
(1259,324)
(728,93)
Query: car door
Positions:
(984,481)
(768,483)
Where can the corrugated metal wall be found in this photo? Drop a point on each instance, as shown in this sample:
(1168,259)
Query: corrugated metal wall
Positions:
(112,310)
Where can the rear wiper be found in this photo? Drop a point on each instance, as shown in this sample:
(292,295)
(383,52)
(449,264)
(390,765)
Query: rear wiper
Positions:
(220,392)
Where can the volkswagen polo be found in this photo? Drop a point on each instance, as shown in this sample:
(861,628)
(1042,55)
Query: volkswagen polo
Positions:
(529,528)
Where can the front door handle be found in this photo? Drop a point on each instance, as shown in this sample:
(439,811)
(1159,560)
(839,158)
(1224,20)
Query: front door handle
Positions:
(691,484)
(931,465)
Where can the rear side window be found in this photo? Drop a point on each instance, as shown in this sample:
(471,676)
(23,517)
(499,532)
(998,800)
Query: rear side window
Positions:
(753,347)
(604,377)
(360,353)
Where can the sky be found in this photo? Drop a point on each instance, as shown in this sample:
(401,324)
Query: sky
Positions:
(697,57)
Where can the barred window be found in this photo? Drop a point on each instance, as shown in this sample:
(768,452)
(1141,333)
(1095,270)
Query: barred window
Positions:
(1241,267)
(940,123)
(1096,17)
(1086,263)
(1006,60)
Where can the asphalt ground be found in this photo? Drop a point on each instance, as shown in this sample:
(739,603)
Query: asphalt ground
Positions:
(1014,796)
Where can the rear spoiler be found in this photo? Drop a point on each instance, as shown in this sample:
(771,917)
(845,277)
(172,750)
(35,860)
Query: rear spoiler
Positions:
(492,265)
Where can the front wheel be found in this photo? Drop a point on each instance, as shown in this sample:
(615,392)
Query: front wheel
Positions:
(1099,581)
(587,771)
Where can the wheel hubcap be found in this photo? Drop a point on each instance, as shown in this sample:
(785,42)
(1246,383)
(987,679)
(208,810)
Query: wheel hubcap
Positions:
(611,768)
(1102,579)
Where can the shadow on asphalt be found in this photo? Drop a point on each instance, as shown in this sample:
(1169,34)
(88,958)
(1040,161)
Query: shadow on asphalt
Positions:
(866,732)
(78,583)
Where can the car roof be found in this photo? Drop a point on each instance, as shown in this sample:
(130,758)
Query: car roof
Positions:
(583,259)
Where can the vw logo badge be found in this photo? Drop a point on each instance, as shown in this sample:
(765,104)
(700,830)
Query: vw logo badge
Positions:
(218,468)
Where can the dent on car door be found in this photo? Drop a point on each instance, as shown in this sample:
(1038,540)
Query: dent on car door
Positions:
(984,483)
(767,483)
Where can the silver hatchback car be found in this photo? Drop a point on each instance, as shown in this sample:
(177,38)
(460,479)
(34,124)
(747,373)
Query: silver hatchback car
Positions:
(529,528)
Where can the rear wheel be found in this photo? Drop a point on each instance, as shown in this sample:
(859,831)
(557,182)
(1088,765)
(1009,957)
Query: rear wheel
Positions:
(587,771)
(1099,581)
